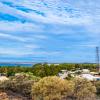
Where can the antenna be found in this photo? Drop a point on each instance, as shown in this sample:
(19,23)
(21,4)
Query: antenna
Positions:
(97,57)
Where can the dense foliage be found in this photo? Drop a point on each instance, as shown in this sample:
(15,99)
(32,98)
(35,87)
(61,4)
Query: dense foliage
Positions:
(11,70)
(43,70)
(53,69)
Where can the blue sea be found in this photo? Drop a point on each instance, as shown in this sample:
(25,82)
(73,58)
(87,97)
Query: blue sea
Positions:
(15,64)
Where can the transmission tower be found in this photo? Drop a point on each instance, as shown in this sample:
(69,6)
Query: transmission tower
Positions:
(97,57)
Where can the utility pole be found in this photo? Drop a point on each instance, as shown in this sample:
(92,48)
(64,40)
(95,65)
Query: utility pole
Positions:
(97,57)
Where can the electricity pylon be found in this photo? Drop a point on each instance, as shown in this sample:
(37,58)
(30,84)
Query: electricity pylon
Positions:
(97,58)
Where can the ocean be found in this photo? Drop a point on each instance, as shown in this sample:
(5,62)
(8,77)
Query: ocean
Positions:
(16,64)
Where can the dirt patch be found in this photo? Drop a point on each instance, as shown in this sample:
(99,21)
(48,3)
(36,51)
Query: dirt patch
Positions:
(9,95)
(3,96)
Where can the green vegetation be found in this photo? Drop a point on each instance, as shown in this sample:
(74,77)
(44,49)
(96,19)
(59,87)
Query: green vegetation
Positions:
(43,70)
(40,82)
(50,88)
(10,71)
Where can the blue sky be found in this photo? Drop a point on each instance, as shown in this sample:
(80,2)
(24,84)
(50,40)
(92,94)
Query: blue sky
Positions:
(49,30)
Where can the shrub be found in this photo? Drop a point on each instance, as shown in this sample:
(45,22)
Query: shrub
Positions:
(21,83)
(51,88)
(83,89)
(97,84)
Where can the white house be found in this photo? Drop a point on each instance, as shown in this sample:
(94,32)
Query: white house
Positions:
(63,74)
(3,78)
(85,71)
(90,77)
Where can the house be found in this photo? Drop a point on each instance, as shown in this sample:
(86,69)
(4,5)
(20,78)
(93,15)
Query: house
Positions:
(85,71)
(90,77)
(87,76)
(63,74)
(3,78)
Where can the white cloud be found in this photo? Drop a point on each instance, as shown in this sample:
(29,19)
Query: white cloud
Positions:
(21,52)
(40,36)
(19,27)
(75,20)
(52,15)
(32,46)
(12,37)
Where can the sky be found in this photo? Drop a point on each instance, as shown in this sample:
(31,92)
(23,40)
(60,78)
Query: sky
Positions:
(54,31)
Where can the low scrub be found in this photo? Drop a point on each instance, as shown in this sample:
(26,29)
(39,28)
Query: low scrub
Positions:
(54,88)
(83,90)
(21,83)
(97,84)
(51,87)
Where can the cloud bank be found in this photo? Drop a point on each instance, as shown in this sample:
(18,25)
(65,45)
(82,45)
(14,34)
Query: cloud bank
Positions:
(49,30)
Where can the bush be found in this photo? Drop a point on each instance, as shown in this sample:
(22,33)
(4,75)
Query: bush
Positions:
(52,88)
(97,84)
(83,89)
(22,84)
